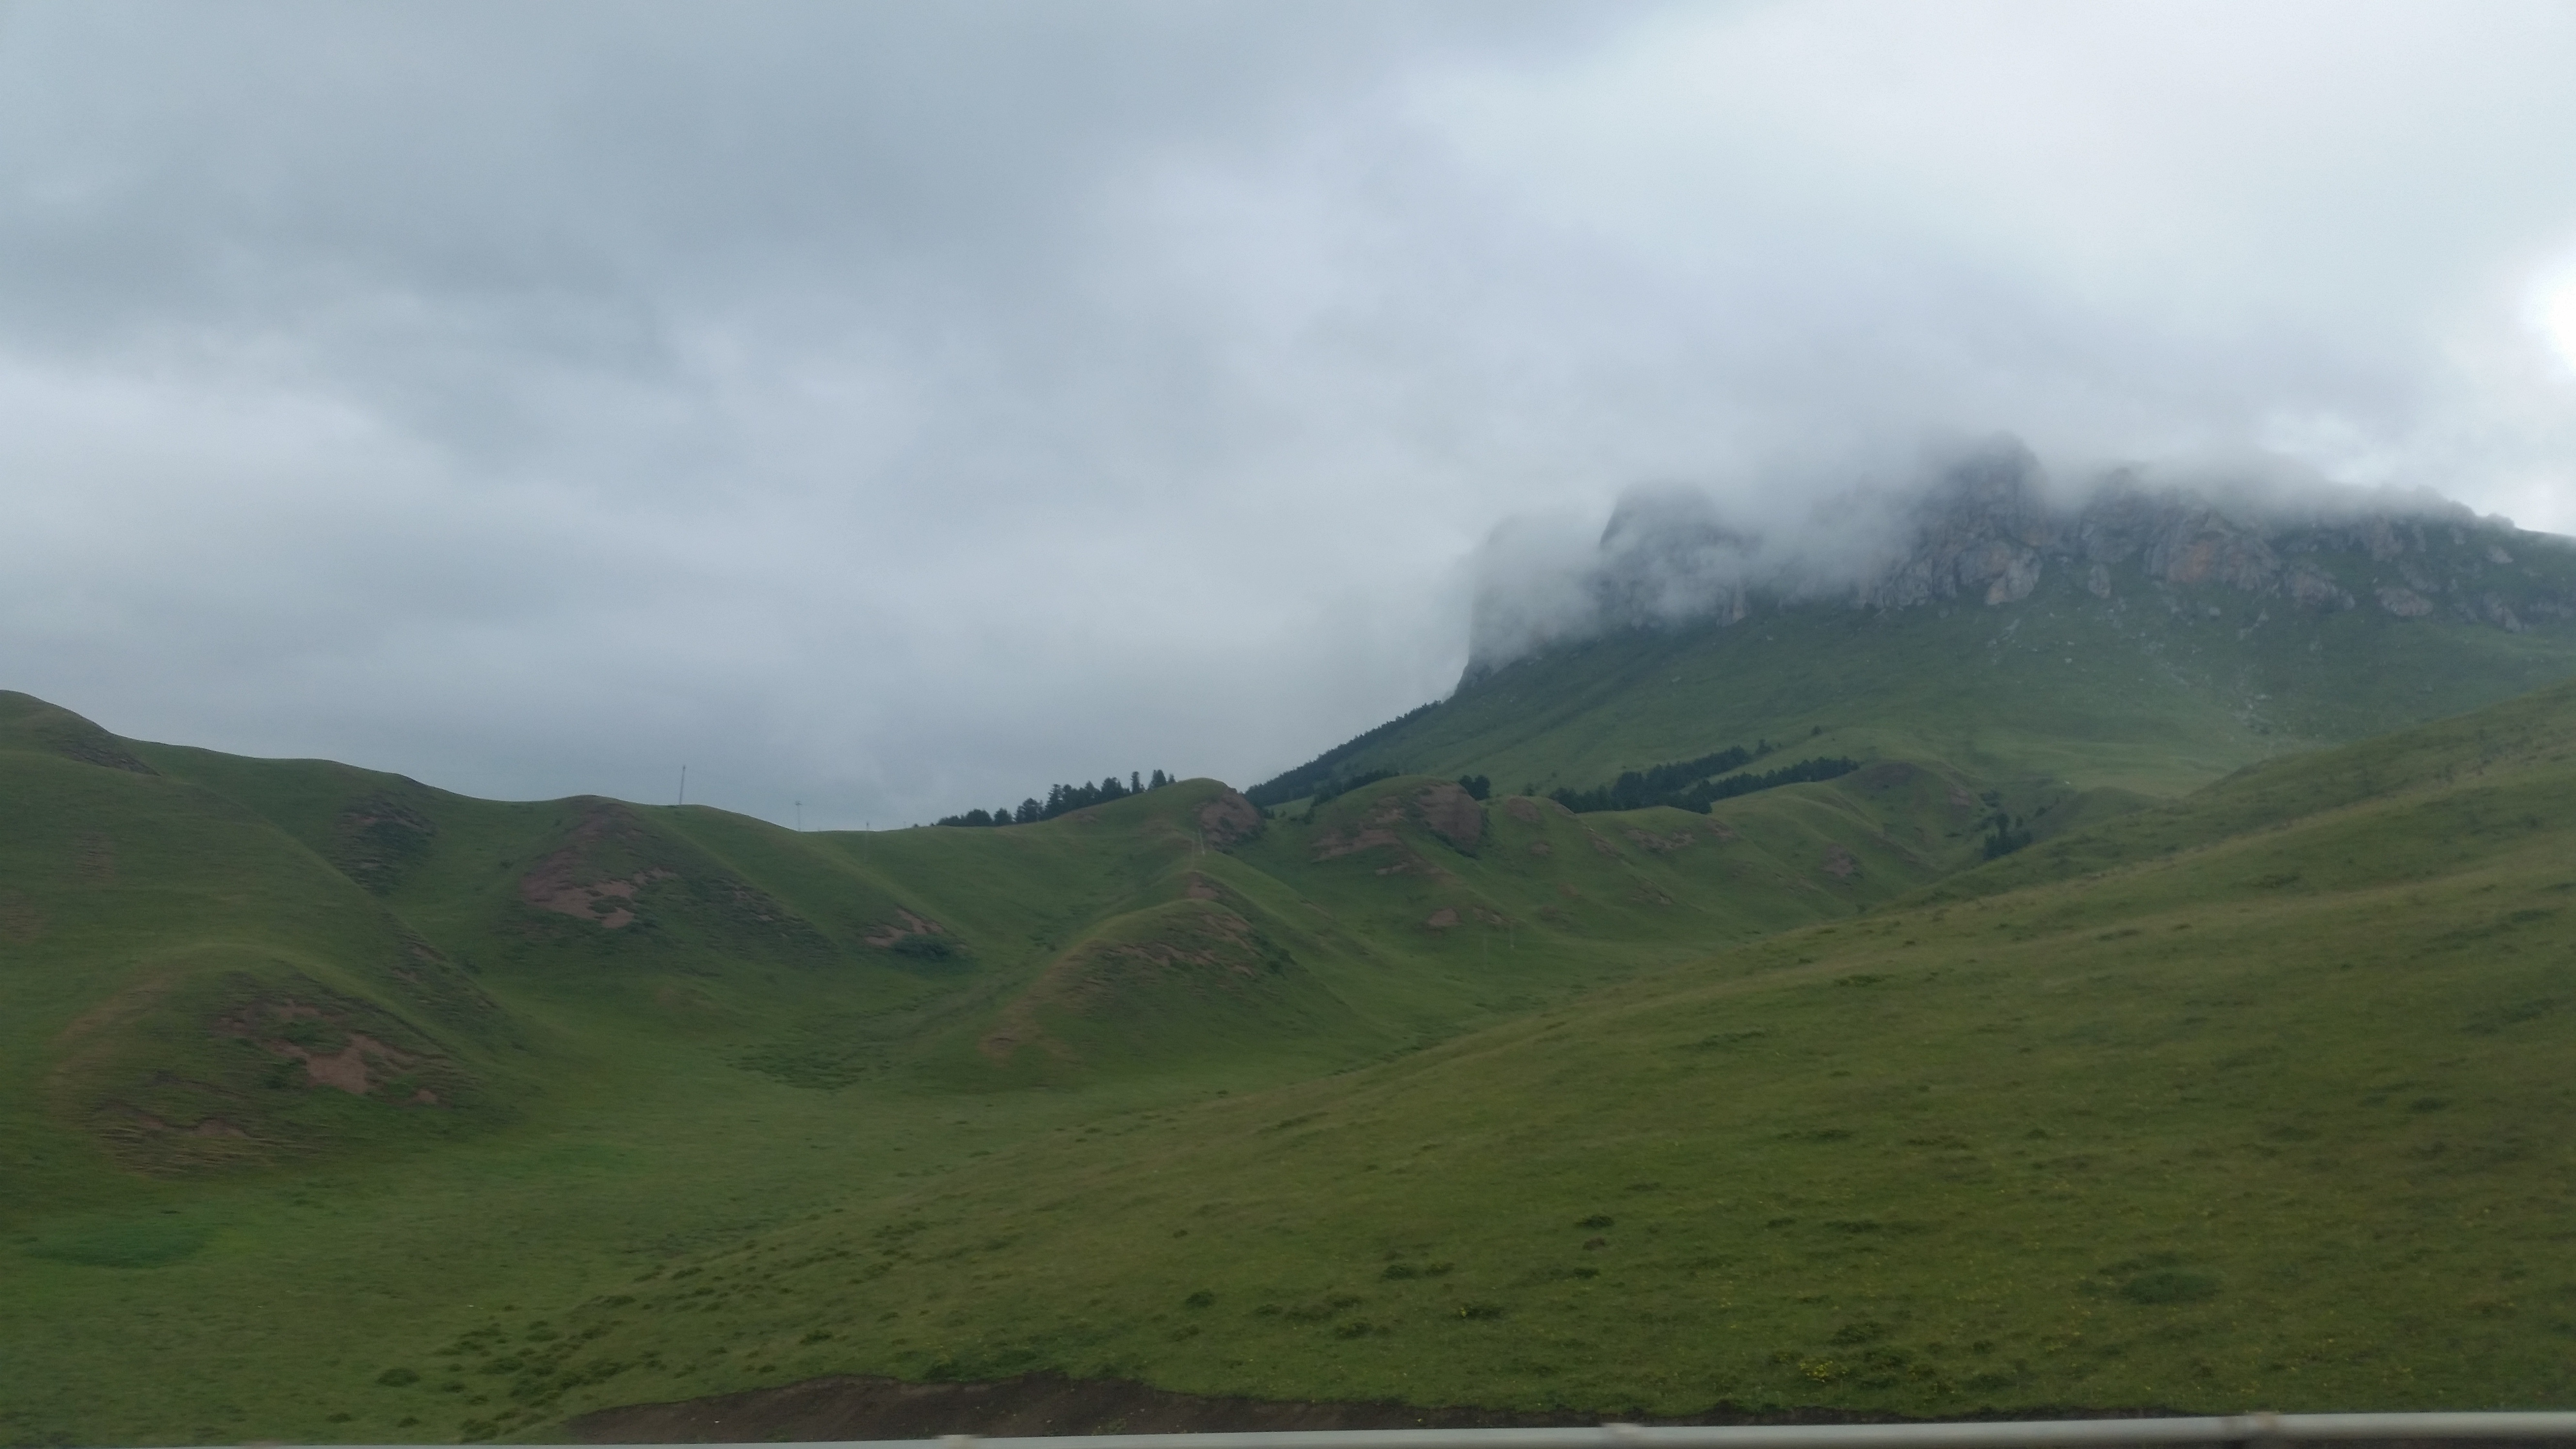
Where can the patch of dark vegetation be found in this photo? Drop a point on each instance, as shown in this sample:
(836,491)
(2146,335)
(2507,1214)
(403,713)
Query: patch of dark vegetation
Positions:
(1061,800)
(1340,785)
(1688,786)
(376,841)
(2005,831)
(1310,778)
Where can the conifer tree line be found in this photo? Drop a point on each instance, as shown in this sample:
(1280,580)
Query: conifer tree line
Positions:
(1688,784)
(1063,798)
(1322,777)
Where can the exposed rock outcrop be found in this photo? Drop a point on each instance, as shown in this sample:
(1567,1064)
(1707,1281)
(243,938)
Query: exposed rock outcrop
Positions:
(1987,534)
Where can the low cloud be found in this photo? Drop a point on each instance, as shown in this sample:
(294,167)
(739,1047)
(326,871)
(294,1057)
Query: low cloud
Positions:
(898,409)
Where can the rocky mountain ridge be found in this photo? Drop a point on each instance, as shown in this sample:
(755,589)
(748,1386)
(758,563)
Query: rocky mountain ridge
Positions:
(1988,532)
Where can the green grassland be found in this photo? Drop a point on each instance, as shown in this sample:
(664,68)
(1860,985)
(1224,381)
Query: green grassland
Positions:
(337,1107)
(2239,1121)
(303,1057)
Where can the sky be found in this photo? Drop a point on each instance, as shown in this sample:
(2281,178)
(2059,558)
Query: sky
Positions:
(889,409)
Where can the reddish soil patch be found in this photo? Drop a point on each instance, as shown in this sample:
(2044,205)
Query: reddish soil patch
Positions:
(1601,845)
(1333,844)
(1442,919)
(557,883)
(1678,840)
(1840,863)
(1413,864)
(1228,818)
(905,924)
(1199,889)
(1523,808)
(1540,847)
(1720,830)
(209,1127)
(360,1065)
(1452,814)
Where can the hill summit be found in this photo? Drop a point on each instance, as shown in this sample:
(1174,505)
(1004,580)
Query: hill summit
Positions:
(1990,527)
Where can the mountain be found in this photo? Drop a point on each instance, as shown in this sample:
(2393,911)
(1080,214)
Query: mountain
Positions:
(2149,640)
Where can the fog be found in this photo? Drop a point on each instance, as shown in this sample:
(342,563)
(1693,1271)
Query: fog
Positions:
(885,410)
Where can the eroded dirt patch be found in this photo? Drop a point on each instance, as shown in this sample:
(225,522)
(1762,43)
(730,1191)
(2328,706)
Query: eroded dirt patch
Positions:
(905,923)
(376,841)
(1227,819)
(1449,812)
(571,883)
(333,1055)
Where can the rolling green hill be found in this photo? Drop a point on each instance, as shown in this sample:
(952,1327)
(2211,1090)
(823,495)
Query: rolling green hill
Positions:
(286,1034)
(2245,1100)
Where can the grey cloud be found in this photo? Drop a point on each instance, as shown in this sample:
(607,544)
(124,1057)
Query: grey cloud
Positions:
(900,407)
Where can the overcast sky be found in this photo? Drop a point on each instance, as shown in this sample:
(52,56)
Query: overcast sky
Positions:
(898,408)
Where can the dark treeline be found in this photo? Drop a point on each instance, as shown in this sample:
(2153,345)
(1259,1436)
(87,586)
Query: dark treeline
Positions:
(1340,785)
(1061,799)
(1661,784)
(1318,776)
(1687,784)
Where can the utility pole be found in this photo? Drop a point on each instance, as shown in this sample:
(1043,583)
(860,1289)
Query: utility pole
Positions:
(684,784)
(800,817)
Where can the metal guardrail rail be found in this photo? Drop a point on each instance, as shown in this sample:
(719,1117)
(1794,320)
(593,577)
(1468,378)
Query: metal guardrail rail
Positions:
(2244,1429)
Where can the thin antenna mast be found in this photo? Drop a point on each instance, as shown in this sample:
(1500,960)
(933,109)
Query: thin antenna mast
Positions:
(684,784)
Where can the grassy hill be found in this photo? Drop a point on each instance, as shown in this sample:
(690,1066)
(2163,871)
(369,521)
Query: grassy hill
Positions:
(2246,1100)
(288,1036)
(341,1108)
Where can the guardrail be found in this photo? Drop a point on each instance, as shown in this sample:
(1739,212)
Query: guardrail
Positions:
(2252,1430)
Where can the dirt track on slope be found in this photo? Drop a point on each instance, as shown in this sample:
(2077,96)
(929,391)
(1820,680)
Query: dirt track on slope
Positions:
(865,1407)
(846,1407)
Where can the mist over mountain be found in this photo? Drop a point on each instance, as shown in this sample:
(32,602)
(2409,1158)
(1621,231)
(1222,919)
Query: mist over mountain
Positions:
(1983,525)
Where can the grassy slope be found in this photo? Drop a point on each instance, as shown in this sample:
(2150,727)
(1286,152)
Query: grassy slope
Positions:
(2238,1101)
(2149,691)
(737,1054)
(2244,1101)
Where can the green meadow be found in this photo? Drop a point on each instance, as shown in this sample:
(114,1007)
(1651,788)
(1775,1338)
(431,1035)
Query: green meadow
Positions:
(338,1108)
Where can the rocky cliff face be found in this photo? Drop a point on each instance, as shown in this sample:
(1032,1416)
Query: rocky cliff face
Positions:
(1987,534)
